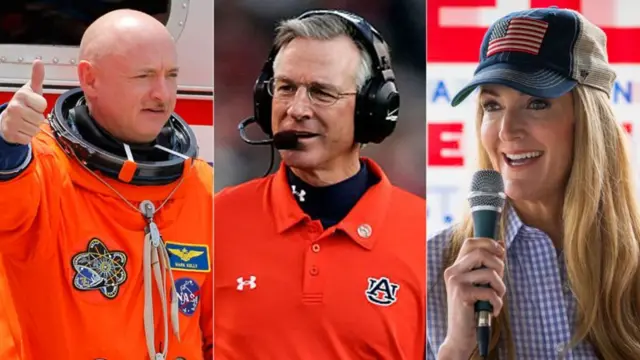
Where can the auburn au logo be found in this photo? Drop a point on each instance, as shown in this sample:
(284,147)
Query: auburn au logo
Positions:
(382,291)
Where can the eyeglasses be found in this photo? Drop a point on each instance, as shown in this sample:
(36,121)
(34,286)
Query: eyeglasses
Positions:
(318,94)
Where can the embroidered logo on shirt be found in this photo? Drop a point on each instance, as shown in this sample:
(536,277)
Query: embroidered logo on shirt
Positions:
(300,194)
(188,257)
(251,283)
(99,269)
(188,295)
(382,291)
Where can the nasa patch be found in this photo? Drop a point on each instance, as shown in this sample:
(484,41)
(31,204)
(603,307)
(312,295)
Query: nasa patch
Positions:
(188,295)
(188,257)
(99,269)
(382,291)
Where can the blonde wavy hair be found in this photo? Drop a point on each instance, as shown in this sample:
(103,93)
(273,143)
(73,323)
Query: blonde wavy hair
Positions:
(601,234)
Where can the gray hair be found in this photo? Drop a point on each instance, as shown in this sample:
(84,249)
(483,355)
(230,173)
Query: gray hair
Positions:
(323,27)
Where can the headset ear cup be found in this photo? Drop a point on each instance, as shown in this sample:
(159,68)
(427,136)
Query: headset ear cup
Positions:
(387,108)
(375,102)
(262,103)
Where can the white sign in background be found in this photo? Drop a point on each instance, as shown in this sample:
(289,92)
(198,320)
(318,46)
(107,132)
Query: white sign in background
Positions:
(611,13)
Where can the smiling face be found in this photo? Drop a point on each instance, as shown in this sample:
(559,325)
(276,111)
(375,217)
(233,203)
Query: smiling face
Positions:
(136,96)
(312,65)
(129,75)
(529,140)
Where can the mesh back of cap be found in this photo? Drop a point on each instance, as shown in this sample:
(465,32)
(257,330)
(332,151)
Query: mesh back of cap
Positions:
(590,60)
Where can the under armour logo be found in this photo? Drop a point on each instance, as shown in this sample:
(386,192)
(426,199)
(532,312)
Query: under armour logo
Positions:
(300,194)
(251,283)
(392,115)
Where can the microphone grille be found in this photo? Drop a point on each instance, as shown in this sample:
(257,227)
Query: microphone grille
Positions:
(487,181)
(487,190)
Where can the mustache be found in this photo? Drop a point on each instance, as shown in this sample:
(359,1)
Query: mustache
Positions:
(157,107)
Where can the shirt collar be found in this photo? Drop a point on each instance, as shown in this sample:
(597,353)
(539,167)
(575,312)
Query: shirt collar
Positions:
(516,229)
(331,203)
(513,225)
(364,222)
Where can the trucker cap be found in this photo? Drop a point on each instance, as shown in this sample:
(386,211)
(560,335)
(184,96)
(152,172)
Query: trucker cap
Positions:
(542,52)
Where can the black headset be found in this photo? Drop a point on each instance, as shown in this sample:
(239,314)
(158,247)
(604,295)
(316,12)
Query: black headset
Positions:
(377,102)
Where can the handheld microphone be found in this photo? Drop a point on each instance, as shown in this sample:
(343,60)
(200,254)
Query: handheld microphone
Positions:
(487,199)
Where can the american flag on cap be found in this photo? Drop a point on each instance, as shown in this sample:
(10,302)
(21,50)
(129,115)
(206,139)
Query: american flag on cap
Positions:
(517,35)
(542,52)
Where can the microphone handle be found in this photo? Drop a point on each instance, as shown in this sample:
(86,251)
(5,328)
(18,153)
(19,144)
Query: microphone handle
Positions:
(484,225)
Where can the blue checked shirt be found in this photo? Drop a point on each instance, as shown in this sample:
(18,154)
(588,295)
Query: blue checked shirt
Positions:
(541,305)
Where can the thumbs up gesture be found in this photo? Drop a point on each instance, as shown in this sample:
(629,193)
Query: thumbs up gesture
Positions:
(24,114)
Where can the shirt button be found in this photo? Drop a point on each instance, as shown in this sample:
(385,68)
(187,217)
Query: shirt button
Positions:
(315,248)
(364,231)
(560,347)
(314,271)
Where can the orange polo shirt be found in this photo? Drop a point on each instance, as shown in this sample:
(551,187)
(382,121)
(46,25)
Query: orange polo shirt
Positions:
(71,251)
(287,289)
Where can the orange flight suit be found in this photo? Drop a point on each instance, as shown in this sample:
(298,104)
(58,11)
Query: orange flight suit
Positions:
(72,255)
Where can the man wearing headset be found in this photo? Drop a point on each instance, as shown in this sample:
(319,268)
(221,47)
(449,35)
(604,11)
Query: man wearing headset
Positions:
(106,210)
(325,259)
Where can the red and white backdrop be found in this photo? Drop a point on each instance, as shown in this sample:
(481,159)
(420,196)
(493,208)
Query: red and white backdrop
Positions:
(454,32)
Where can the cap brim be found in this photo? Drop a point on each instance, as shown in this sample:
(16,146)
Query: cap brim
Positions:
(541,83)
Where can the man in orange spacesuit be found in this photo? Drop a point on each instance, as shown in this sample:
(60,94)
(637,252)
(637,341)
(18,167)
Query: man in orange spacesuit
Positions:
(106,222)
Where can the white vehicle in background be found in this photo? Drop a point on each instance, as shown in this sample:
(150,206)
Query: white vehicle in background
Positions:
(50,30)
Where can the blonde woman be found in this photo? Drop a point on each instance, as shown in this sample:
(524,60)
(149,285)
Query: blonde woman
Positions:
(564,274)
